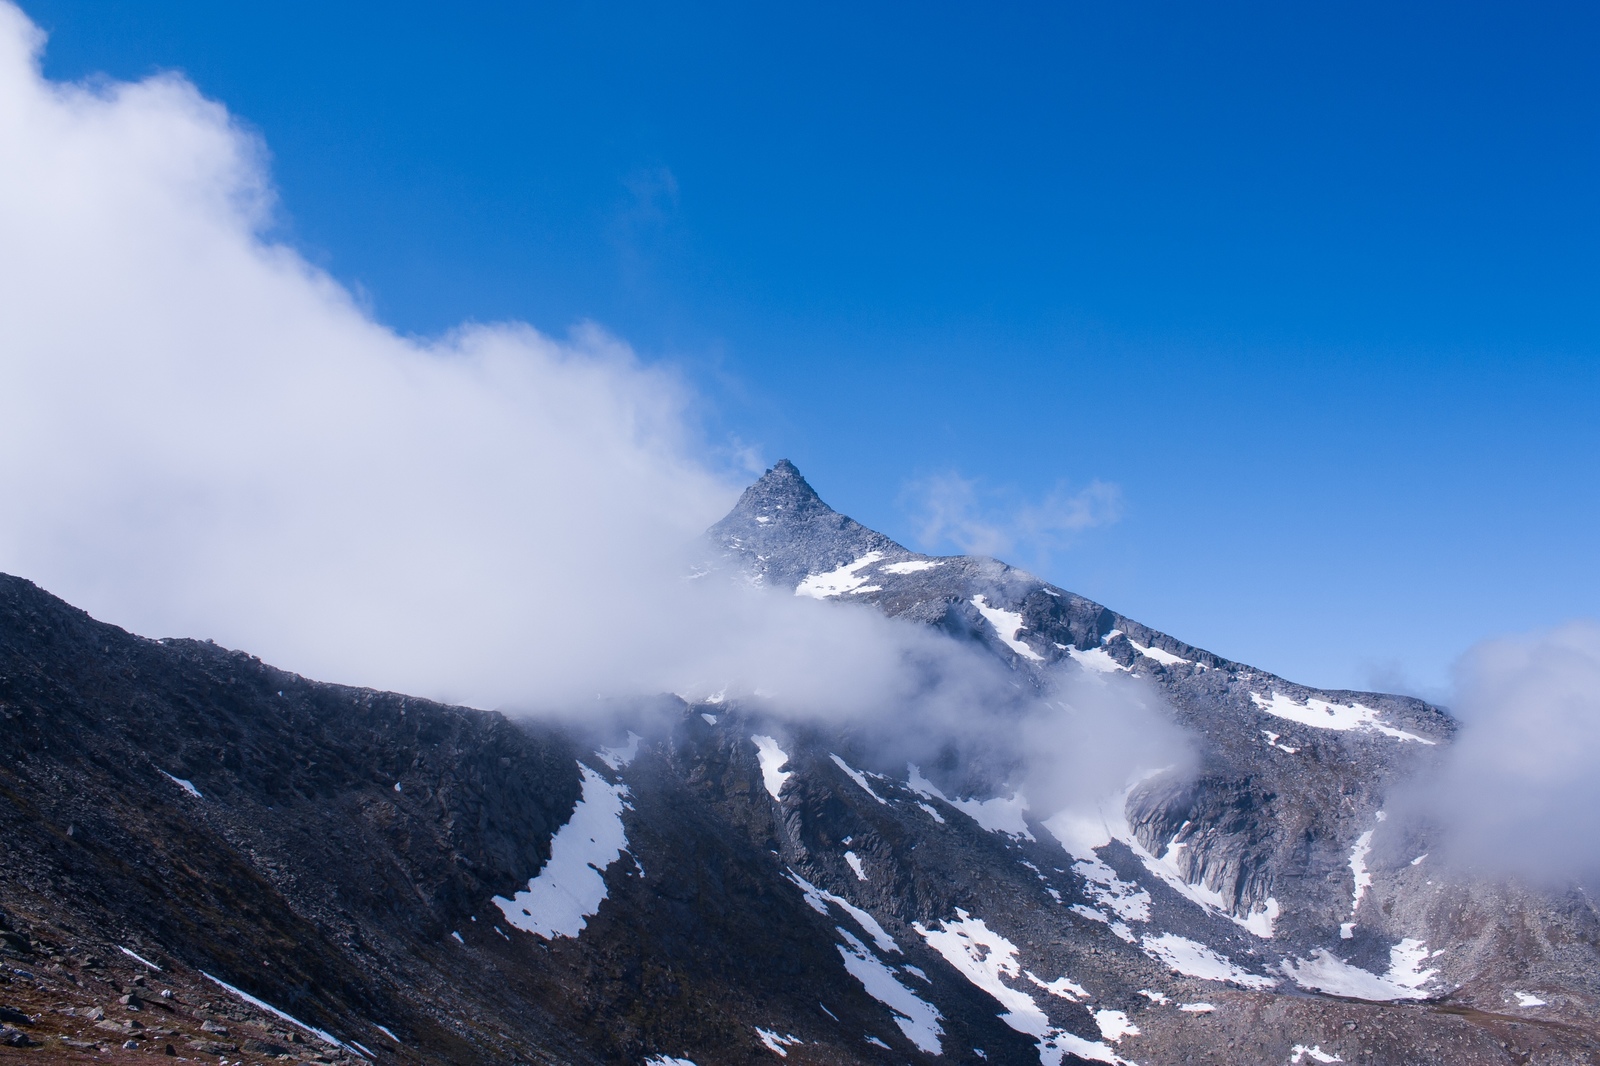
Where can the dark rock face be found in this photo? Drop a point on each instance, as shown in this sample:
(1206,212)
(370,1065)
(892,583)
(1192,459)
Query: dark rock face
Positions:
(183,826)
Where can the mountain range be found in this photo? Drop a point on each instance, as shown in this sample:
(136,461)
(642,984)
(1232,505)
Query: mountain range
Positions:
(212,859)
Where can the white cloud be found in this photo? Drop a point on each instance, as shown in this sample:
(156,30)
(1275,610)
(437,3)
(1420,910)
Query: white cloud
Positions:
(1519,793)
(201,434)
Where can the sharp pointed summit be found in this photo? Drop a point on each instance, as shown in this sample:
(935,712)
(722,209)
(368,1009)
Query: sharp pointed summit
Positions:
(782,492)
(782,530)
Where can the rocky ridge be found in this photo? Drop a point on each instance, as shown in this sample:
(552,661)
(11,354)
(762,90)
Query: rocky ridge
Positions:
(325,873)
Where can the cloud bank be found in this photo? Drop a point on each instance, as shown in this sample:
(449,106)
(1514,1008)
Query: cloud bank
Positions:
(1519,793)
(201,434)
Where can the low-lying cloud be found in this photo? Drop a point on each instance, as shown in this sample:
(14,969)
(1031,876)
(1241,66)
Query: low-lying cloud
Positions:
(201,434)
(1519,793)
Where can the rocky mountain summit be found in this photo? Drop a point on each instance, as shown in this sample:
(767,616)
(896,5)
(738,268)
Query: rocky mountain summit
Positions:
(207,858)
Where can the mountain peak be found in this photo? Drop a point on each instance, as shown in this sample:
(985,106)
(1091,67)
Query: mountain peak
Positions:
(786,531)
(782,485)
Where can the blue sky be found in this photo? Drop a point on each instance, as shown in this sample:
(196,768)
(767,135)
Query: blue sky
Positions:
(1316,288)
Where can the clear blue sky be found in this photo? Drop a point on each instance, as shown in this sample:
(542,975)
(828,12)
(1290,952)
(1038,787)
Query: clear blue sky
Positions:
(1316,285)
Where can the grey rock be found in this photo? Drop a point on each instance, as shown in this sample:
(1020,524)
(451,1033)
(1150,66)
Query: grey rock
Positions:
(263,1047)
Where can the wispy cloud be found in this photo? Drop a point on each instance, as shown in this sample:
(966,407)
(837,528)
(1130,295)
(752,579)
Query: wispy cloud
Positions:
(949,510)
(1518,793)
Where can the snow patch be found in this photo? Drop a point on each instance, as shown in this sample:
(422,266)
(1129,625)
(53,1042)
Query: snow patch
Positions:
(1158,998)
(921,785)
(857,776)
(710,719)
(620,756)
(1061,1043)
(1006,626)
(1528,999)
(819,898)
(1114,1025)
(1261,922)
(1196,1008)
(875,1042)
(1097,660)
(910,566)
(1358,869)
(1063,987)
(917,1018)
(1120,929)
(1081,835)
(773,759)
(1405,979)
(1193,959)
(1418,860)
(776,1042)
(320,1034)
(1314,1052)
(837,582)
(1125,899)
(187,786)
(986,959)
(387,1032)
(1320,714)
(935,815)
(139,958)
(1165,658)
(1272,741)
(998,815)
(855,865)
(983,957)
(569,890)
(668,1060)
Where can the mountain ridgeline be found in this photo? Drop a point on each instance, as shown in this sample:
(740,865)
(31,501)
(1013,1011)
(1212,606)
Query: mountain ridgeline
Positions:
(211,859)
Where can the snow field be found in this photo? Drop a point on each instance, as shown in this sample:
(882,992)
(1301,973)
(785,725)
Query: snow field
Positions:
(568,891)
(1320,714)
(1007,624)
(838,582)
(772,759)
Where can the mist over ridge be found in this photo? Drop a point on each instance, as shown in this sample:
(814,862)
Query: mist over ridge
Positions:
(206,435)
(203,434)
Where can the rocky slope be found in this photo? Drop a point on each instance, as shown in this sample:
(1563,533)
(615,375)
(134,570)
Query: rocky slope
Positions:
(208,855)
